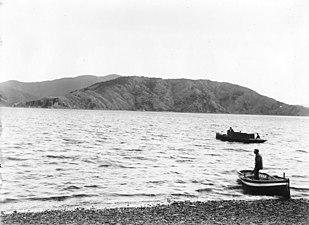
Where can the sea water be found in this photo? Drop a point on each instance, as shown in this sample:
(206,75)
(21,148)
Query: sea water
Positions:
(64,159)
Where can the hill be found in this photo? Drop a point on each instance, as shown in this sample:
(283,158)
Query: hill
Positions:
(14,91)
(178,95)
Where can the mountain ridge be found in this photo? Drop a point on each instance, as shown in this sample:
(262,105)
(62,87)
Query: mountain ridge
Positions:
(13,91)
(178,95)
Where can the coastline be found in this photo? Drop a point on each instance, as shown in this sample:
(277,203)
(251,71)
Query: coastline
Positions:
(270,211)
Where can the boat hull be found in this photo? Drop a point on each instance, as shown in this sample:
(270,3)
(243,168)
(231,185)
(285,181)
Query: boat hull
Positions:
(266,185)
(224,137)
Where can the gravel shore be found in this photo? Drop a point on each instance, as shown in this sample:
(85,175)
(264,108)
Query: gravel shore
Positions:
(293,211)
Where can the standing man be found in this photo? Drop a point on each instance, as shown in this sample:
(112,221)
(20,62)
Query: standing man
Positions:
(258,164)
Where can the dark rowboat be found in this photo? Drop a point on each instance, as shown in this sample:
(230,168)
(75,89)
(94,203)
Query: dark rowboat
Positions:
(240,137)
(266,185)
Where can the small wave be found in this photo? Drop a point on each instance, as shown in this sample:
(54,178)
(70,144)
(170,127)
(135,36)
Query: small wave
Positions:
(228,172)
(91,186)
(141,158)
(105,165)
(72,141)
(136,157)
(184,195)
(299,176)
(208,183)
(51,198)
(187,157)
(135,195)
(299,160)
(17,147)
(234,187)
(174,172)
(180,181)
(110,162)
(200,145)
(87,160)
(127,167)
(302,151)
(237,149)
(134,150)
(213,154)
(8,200)
(300,189)
(61,197)
(204,190)
(160,136)
(16,159)
(183,160)
(59,157)
(156,182)
(101,141)
(72,187)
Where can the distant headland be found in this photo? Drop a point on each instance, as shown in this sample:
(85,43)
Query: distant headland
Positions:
(137,93)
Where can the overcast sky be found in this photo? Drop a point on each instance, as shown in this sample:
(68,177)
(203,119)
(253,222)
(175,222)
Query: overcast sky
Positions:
(261,44)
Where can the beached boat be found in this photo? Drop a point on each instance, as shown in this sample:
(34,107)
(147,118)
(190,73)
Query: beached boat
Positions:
(265,185)
(240,137)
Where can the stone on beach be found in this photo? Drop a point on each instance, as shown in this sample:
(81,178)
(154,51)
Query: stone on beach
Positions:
(273,211)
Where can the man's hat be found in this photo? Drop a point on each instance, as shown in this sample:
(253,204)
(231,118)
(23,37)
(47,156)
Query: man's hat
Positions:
(256,151)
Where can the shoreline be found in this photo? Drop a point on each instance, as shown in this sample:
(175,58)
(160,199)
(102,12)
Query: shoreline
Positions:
(266,211)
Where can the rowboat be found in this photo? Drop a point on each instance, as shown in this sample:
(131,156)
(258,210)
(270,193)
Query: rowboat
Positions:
(240,137)
(266,184)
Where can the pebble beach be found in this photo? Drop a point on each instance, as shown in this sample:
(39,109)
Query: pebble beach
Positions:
(272,211)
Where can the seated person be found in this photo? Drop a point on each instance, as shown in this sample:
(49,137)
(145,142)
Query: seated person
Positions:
(230,130)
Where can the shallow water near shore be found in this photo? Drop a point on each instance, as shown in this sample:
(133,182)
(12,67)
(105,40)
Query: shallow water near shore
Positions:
(64,159)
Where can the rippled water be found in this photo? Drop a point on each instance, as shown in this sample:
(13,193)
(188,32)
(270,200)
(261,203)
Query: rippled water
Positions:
(78,158)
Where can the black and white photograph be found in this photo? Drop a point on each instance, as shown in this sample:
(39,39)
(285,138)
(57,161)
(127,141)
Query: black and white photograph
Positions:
(154,112)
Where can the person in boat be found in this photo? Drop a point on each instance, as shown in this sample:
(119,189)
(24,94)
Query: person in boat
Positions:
(258,136)
(258,164)
(230,130)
